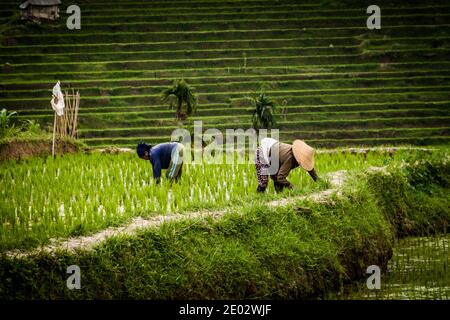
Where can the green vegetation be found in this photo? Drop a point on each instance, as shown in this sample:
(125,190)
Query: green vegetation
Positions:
(263,115)
(108,190)
(338,84)
(418,270)
(311,55)
(11,128)
(184,95)
(306,249)
(6,123)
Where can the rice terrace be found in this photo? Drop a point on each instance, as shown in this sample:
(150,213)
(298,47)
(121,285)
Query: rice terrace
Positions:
(224,150)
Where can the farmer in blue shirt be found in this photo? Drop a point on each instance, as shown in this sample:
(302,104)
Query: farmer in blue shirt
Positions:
(163,156)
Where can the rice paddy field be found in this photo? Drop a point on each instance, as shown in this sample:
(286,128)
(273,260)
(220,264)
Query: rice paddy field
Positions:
(418,270)
(79,194)
(254,244)
(339,82)
(336,85)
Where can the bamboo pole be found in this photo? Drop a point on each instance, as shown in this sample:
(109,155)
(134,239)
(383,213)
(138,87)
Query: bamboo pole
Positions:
(66,125)
(66,108)
(66,113)
(69,115)
(63,127)
(74,108)
(75,121)
(54,133)
(58,125)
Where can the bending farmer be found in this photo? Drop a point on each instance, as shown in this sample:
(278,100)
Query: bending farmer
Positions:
(163,156)
(289,157)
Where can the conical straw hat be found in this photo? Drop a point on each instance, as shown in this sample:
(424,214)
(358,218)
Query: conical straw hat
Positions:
(304,154)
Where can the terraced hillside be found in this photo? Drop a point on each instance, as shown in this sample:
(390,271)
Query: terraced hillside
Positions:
(341,83)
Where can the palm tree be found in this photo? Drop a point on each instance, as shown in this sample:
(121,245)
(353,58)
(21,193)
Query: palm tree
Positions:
(184,95)
(263,115)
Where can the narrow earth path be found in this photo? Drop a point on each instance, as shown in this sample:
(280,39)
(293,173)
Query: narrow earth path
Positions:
(336,180)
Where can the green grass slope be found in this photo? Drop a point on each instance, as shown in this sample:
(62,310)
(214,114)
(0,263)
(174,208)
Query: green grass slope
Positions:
(340,83)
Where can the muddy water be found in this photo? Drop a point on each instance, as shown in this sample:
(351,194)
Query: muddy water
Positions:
(419,269)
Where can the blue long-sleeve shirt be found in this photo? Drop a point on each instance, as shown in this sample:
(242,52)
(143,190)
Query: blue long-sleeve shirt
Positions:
(160,156)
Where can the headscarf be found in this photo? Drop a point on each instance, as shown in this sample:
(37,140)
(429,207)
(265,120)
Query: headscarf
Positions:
(266,144)
(141,148)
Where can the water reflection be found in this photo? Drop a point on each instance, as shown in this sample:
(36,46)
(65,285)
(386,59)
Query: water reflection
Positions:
(419,269)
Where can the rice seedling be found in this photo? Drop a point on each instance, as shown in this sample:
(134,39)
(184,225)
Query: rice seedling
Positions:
(46,198)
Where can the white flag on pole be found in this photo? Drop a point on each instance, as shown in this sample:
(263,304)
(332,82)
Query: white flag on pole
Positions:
(58,106)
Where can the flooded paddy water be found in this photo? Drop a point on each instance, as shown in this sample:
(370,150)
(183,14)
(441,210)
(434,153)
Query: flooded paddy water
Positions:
(418,269)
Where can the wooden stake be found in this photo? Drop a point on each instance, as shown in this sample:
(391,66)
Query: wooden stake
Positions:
(54,133)
(64,123)
(75,120)
(68,114)
(58,126)
(72,113)
(69,110)
(66,107)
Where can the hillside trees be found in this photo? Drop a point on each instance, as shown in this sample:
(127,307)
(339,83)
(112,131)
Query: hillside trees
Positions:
(263,113)
(184,95)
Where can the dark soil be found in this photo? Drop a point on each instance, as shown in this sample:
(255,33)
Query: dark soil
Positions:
(18,150)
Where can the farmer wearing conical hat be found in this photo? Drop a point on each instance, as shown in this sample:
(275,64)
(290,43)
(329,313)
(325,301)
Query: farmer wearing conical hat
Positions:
(289,157)
(163,156)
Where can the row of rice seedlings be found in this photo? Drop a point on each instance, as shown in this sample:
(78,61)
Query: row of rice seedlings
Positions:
(44,198)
